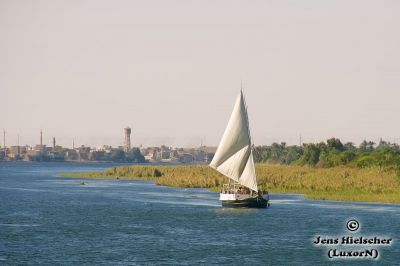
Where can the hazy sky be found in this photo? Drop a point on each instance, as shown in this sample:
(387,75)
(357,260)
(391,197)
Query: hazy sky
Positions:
(171,70)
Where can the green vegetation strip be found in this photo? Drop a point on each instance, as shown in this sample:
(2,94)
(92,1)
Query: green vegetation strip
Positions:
(343,183)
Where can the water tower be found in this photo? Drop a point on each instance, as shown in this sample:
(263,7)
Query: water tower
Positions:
(127,143)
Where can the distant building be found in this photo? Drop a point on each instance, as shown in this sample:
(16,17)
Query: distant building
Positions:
(127,143)
(13,152)
(83,153)
(186,158)
(72,155)
(200,156)
(149,153)
(98,155)
(39,148)
(14,149)
(105,148)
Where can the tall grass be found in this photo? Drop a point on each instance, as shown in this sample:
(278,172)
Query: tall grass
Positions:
(347,183)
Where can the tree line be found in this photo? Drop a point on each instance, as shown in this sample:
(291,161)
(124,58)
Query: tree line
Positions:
(331,153)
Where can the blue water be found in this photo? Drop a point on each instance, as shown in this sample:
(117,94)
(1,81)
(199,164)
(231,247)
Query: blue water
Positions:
(47,219)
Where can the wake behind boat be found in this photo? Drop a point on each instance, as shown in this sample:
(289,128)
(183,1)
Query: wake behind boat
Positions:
(234,159)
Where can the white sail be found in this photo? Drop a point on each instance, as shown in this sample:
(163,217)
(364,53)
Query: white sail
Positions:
(234,157)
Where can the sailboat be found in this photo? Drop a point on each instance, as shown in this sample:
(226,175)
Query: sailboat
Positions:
(234,159)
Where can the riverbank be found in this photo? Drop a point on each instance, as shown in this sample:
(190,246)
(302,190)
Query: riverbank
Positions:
(342,183)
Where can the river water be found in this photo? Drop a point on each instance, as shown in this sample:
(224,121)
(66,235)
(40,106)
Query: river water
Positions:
(47,219)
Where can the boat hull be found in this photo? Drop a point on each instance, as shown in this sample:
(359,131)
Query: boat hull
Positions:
(246,203)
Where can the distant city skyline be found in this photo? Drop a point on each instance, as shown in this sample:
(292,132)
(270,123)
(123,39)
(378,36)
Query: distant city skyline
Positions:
(119,141)
(171,70)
